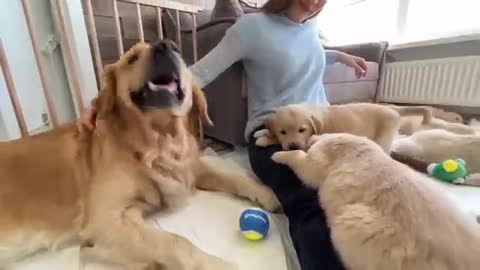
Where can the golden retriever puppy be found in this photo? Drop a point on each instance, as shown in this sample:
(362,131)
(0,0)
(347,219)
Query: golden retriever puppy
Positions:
(451,117)
(437,145)
(382,214)
(411,124)
(96,187)
(293,125)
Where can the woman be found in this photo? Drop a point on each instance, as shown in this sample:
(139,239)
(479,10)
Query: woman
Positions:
(284,61)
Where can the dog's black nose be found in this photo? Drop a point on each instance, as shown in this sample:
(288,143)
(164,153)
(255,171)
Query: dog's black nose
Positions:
(160,47)
(293,146)
(163,46)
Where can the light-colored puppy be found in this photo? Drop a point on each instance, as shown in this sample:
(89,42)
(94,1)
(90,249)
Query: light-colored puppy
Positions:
(293,125)
(451,117)
(411,124)
(437,145)
(382,214)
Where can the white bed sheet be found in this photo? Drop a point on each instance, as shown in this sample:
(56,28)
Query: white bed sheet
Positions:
(210,221)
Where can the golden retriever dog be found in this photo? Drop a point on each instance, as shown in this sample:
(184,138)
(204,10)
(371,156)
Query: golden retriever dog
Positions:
(96,187)
(293,125)
(437,145)
(382,214)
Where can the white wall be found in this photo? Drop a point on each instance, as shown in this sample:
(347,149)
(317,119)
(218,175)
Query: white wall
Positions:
(8,125)
(17,46)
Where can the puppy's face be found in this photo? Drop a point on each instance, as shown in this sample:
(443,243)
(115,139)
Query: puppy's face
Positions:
(454,118)
(152,80)
(292,127)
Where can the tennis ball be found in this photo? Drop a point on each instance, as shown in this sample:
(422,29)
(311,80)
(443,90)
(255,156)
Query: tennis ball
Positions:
(254,224)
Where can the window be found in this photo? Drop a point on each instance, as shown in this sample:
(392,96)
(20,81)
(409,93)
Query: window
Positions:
(343,22)
(398,21)
(430,19)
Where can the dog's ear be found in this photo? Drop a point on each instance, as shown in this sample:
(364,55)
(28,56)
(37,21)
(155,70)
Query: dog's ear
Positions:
(200,105)
(317,124)
(269,124)
(105,100)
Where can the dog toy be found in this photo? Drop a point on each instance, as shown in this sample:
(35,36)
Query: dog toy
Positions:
(450,171)
(254,224)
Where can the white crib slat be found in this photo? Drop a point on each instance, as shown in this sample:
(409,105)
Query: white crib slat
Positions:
(7,75)
(38,60)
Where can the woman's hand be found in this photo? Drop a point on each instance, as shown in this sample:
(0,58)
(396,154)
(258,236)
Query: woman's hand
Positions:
(87,118)
(357,63)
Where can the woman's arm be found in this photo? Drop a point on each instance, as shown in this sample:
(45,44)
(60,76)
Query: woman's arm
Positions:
(331,56)
(230,50)
(357,63)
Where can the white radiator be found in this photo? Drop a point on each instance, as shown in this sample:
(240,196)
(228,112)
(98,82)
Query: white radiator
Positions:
(445,81)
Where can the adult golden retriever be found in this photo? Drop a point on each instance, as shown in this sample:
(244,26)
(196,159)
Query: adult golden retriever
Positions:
(382,214)
(96,187)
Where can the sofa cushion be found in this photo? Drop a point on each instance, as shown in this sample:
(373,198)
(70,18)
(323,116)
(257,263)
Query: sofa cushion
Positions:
(226,8)
(338,73)
(342,86)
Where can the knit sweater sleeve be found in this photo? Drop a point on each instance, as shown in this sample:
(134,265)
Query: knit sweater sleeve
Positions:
(232,48)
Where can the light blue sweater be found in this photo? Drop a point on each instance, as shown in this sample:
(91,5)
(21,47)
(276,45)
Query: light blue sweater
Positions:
(284,63)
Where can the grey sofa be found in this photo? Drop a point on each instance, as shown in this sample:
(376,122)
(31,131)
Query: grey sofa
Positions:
(226,95)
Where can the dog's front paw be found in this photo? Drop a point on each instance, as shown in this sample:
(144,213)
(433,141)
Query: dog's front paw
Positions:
(280,157)
(267,200)
(261,133)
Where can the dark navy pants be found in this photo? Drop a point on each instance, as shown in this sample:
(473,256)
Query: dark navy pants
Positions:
(308,227)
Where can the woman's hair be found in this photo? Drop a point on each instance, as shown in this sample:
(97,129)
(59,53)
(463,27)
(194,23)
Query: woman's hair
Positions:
(276,6)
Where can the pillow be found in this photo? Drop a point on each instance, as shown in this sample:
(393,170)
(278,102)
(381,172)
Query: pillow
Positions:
(226,8)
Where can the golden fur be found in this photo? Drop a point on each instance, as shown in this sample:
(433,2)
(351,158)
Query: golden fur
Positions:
(437,145)
(411,124)
(382,214)
(439,119)
(96,187)
(293,125)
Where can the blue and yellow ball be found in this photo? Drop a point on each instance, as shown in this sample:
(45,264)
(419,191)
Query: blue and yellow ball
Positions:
(254,224)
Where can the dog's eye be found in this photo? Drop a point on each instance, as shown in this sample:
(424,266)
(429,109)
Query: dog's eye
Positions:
(301,130)
(132,59)
(283,132)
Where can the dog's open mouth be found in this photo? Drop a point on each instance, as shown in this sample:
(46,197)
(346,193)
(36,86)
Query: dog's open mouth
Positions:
(169,83)
(163,91)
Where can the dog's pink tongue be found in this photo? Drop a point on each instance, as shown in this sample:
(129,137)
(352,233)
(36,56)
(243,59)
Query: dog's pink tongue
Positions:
(171,87)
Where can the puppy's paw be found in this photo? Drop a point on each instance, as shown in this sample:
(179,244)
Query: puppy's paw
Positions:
(288,157)
(281,157)
(267,200)
(265,141)
(261,133)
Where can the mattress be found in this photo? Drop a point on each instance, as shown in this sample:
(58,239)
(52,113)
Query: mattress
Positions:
(210,221)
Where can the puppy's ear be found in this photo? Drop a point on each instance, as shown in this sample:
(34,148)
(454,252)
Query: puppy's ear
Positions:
(317,124)
(269,124)
(105,100)
(200,105)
